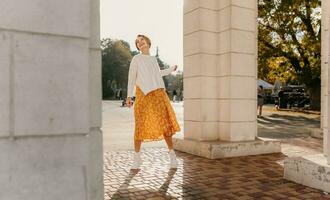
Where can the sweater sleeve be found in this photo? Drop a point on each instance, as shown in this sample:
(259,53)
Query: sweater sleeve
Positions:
(132,74)
(167,71)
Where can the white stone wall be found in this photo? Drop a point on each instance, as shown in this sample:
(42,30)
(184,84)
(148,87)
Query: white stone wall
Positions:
(325,76)
(220,79)
(50,138)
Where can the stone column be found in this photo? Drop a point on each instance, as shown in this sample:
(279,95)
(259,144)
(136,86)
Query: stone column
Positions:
(237,70)
(220,80)
(50,138)
(95,137)
(314,170)
(325,73)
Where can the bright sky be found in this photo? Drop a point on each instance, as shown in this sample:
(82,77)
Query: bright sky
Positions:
(160,20)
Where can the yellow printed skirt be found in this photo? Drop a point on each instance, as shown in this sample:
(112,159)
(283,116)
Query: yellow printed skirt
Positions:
(154,116)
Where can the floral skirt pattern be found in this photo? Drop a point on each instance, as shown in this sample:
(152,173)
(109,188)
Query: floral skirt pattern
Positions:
(154,116)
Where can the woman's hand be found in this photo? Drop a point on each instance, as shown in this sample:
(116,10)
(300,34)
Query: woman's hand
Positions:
(129,102)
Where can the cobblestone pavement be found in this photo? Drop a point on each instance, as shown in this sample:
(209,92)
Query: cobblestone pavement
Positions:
(251,177)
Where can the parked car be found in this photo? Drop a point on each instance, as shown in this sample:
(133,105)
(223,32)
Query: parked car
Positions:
(293,96)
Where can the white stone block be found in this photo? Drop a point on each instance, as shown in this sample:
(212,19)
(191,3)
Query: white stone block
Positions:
(224,110)
(56,17)
(95,91)
(225,19)
(191,22)
(312,171)
(244,131)
(243,65)
(194,147)
(237,131)
(200,87)
(237,87)
(95,172)
(200,19)
(200,131)
(237,110)
(325,130)
(192,129)
(251,4)
(243,42)
(209,20)
(237,41)
(5,57)
(224,66)
(192,109)
(190,5)
(191,44)
(224,88)
(224,42)
(223,4)
(210,4)
(325,16)
(200,42)
(243,19)
(237,120)
(209,42)
(51,85)
(95,24)
(201,110)
(51,168)
(243,110)
(192,65)
(243,87)
(325,45)
(200,65)
(326,143)
(221,149)
(237,64)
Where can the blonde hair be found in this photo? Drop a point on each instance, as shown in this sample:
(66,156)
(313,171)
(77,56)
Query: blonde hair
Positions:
(144,37)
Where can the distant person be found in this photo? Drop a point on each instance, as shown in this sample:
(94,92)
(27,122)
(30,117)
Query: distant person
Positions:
(276,90)
(261,96)
(282,99)
(117,94)
(154,115)
(120,94)
(174,96)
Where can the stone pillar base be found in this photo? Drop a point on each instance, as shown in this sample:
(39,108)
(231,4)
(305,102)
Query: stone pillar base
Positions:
(224,149)
(312,171)
(316,133)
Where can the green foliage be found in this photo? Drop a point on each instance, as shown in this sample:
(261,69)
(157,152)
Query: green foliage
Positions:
(175,82)
(289,43)
(116,57)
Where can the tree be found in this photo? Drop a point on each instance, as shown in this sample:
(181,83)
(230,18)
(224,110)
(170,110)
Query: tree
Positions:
(116,57)
(289,43)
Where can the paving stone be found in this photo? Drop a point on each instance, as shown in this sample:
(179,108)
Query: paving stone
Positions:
(252,177)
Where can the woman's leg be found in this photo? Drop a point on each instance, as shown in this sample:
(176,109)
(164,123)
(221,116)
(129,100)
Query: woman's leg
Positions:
(169,142)
(173,161)
(137,145)
(137,161)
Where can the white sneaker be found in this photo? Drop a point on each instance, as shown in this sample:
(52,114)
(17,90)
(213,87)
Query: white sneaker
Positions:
(173,161)
(137,161)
